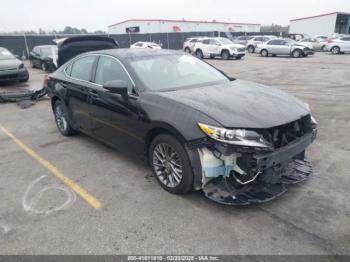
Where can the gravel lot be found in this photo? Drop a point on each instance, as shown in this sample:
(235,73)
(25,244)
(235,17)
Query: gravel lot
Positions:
(40,215)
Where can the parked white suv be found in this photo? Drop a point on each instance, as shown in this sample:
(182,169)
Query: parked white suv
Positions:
(252,44)
(145,45)
(218,46)
(189,44)
(338,45)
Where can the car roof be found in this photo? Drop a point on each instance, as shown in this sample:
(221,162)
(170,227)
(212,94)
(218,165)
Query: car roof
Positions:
(125,53)
(46,46)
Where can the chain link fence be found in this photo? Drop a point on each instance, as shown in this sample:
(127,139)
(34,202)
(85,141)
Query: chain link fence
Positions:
(21,45)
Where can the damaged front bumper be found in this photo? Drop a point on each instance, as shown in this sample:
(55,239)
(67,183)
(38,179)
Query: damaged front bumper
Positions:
(243,177)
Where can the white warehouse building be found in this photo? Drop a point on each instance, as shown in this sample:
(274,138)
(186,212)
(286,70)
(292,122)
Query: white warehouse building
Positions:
(149,26)
(325,24)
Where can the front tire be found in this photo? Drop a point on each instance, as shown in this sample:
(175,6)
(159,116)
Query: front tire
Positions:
(225,55)
(170,164)
(187,50)
(61,118)
(199,54)
(296,53)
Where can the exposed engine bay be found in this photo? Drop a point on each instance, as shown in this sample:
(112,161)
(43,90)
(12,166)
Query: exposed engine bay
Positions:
(240,175)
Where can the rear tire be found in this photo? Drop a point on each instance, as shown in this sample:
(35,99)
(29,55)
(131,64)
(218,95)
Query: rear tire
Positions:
(61,118)
(335,50)
(170,164)
(264,53)
(251,49)
(199,54)
(225,55)
(323,48)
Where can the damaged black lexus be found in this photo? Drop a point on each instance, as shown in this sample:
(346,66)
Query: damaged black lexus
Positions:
(238,141)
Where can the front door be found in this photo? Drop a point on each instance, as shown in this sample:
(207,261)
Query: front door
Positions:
(114,119)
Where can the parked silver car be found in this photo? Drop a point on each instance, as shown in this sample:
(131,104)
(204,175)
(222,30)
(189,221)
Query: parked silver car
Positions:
(11,68)
(284,47)
(242,40)
(259,39)
(338,45)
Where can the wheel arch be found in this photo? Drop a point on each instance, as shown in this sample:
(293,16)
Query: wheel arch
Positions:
(224,50)
(161,128)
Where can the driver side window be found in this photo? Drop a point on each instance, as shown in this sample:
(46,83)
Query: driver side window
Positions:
(109,69)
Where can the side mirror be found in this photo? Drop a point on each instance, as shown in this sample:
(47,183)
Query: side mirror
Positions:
(117,87)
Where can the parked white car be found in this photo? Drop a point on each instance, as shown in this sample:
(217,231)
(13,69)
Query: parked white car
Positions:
(145,45)
(317,44)
(189,44)
(218,46)
(338,45)
(256,40)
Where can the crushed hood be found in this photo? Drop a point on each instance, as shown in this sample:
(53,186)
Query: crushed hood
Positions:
(242,104)
(9,64)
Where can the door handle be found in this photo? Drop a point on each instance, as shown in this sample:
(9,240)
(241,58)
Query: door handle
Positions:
(93,93)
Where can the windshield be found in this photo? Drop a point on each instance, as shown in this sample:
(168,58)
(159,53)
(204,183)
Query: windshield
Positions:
(49,51)
(175,72)
(225,41)
(5,54)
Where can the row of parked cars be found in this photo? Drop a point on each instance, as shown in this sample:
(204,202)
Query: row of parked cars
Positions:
(264,45)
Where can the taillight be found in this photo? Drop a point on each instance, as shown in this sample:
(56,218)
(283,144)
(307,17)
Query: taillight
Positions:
(46,81)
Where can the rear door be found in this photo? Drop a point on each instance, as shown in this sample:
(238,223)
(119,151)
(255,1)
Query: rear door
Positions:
(345,45)
(115,119)
(77,94)
(214,47)
(273,46)
(206,47)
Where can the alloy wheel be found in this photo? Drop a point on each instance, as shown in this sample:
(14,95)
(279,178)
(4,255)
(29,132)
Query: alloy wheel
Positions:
(167,165)
(335,50)
(296,53)
(61,120)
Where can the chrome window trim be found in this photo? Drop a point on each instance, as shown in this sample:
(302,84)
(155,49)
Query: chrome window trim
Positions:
(84,81)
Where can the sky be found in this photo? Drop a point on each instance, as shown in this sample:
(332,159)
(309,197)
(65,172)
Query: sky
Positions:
(19,15)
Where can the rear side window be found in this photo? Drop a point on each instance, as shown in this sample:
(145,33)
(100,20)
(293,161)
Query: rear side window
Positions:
(206,41)
(194,40)
(81,68)
(274,42)
(138,44)
(345,38)
(109,69)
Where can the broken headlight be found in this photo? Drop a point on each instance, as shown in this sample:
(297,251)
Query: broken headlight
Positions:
(240,137)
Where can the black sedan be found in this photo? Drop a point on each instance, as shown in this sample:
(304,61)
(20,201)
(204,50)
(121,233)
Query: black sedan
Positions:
(11,68)
(238,141)
(44,57)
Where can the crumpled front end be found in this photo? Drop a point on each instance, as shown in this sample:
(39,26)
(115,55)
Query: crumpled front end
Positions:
(240,175)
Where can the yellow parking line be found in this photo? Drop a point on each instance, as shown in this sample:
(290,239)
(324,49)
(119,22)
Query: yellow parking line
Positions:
(90,199)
